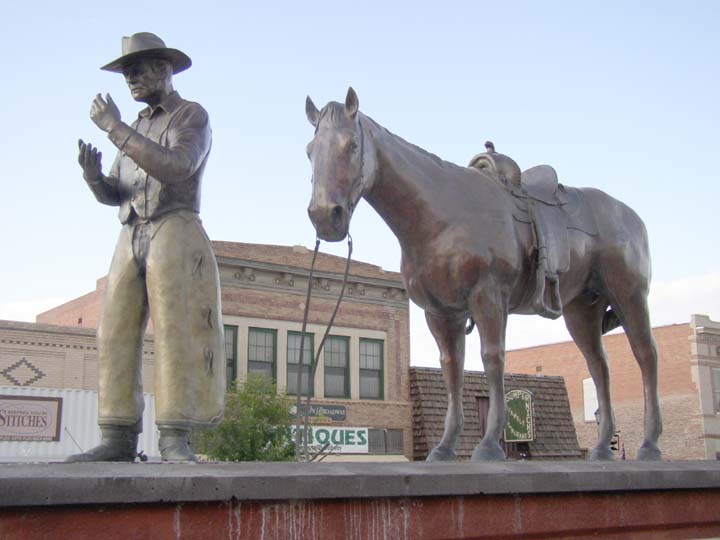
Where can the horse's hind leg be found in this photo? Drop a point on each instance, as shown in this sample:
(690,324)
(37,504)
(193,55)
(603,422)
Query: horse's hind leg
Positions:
(635,317)
(584,322)
(449,333)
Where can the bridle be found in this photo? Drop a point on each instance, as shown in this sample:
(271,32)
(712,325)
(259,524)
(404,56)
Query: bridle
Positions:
(358,181)
(355,194)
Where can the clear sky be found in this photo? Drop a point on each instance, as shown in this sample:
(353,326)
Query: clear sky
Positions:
(616,95)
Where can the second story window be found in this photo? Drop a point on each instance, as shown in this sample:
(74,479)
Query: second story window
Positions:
(293,361)
(261,351)
(231,333)
(371,369)
(337,367)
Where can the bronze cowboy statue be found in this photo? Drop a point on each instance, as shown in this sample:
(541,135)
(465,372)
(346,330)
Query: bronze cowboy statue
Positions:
(163,266)
(486,241)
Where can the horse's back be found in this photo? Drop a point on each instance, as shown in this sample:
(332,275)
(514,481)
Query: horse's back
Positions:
(613,217)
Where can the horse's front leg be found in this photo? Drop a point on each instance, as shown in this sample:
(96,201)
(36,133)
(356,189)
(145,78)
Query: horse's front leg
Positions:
(449,333)
(490,312)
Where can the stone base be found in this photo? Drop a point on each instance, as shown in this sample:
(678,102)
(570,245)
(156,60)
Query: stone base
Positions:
(361,500)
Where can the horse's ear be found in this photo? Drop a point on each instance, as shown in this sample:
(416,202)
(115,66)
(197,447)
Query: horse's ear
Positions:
(351,103)
(311,111)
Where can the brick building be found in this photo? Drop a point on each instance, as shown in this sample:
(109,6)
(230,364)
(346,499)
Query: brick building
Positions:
(689,383)
(363,379)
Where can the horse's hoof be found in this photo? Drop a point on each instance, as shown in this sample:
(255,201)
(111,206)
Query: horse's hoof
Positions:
(649,452)
(602,453)
(441,453)
(488,452)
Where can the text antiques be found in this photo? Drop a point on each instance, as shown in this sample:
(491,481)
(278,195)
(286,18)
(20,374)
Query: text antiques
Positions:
(520,425)
(339,440)
(25,418)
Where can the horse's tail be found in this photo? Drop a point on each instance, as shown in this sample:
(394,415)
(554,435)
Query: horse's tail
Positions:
(610,321)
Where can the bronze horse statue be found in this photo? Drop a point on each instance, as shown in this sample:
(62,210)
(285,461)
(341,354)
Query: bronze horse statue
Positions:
(466,256)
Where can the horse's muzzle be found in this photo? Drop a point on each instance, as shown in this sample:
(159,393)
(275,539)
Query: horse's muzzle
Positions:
(331,222)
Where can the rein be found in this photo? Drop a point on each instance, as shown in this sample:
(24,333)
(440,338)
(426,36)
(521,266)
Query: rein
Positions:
(313,367)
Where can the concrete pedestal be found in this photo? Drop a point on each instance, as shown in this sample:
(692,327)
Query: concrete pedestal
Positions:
(360,500)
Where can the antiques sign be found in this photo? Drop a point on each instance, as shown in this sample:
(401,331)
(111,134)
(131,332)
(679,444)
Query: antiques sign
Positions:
(340,440)
(26,418)
(520,426)
(336,413)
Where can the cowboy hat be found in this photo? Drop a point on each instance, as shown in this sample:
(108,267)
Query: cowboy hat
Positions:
(146,45)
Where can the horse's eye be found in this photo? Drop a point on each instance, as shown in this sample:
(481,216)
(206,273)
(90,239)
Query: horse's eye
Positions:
(352,145)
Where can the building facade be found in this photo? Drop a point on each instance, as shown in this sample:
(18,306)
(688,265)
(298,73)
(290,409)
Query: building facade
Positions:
(689,387)
(361,381)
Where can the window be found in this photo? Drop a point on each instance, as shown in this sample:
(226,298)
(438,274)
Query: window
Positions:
(337,372)
(716,388)
(231,333)
(293,361)
(261,351)
(371,369)
(385,441)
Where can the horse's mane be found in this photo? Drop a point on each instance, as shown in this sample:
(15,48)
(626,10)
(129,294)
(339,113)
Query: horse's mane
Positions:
(438,160)
(334,114)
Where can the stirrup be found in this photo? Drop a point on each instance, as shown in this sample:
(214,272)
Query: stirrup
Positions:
(546,311)
(541,308)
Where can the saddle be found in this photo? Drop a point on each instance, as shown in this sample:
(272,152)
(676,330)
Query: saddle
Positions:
(550,208)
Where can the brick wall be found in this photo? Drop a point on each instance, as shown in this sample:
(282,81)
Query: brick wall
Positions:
(683,432)
(82,312)
(50,356)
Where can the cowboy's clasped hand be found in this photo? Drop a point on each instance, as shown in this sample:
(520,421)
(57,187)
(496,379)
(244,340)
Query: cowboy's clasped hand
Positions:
(105,113)
(90,160)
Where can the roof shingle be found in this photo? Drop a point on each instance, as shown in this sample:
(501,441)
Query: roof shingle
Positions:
(555,436)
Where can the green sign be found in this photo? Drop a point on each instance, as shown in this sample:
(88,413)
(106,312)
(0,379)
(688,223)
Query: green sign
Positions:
(520,426)
(333,412)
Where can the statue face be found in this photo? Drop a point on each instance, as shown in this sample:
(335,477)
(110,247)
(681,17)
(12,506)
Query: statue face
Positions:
(147,81)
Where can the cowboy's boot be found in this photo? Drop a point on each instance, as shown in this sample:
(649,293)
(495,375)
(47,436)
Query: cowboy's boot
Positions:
(175,444)
(119,443)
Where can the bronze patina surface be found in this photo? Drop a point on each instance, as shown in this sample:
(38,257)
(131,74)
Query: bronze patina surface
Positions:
(163,266)
(477,244)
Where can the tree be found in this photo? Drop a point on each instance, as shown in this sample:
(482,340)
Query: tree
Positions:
(256,426)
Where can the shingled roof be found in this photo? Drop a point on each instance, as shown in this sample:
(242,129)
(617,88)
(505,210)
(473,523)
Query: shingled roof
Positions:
(555,436)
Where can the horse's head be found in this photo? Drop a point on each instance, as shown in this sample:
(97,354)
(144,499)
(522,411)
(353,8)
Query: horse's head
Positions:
(342,165)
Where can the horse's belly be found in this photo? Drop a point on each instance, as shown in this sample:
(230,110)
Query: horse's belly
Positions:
(441,287)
